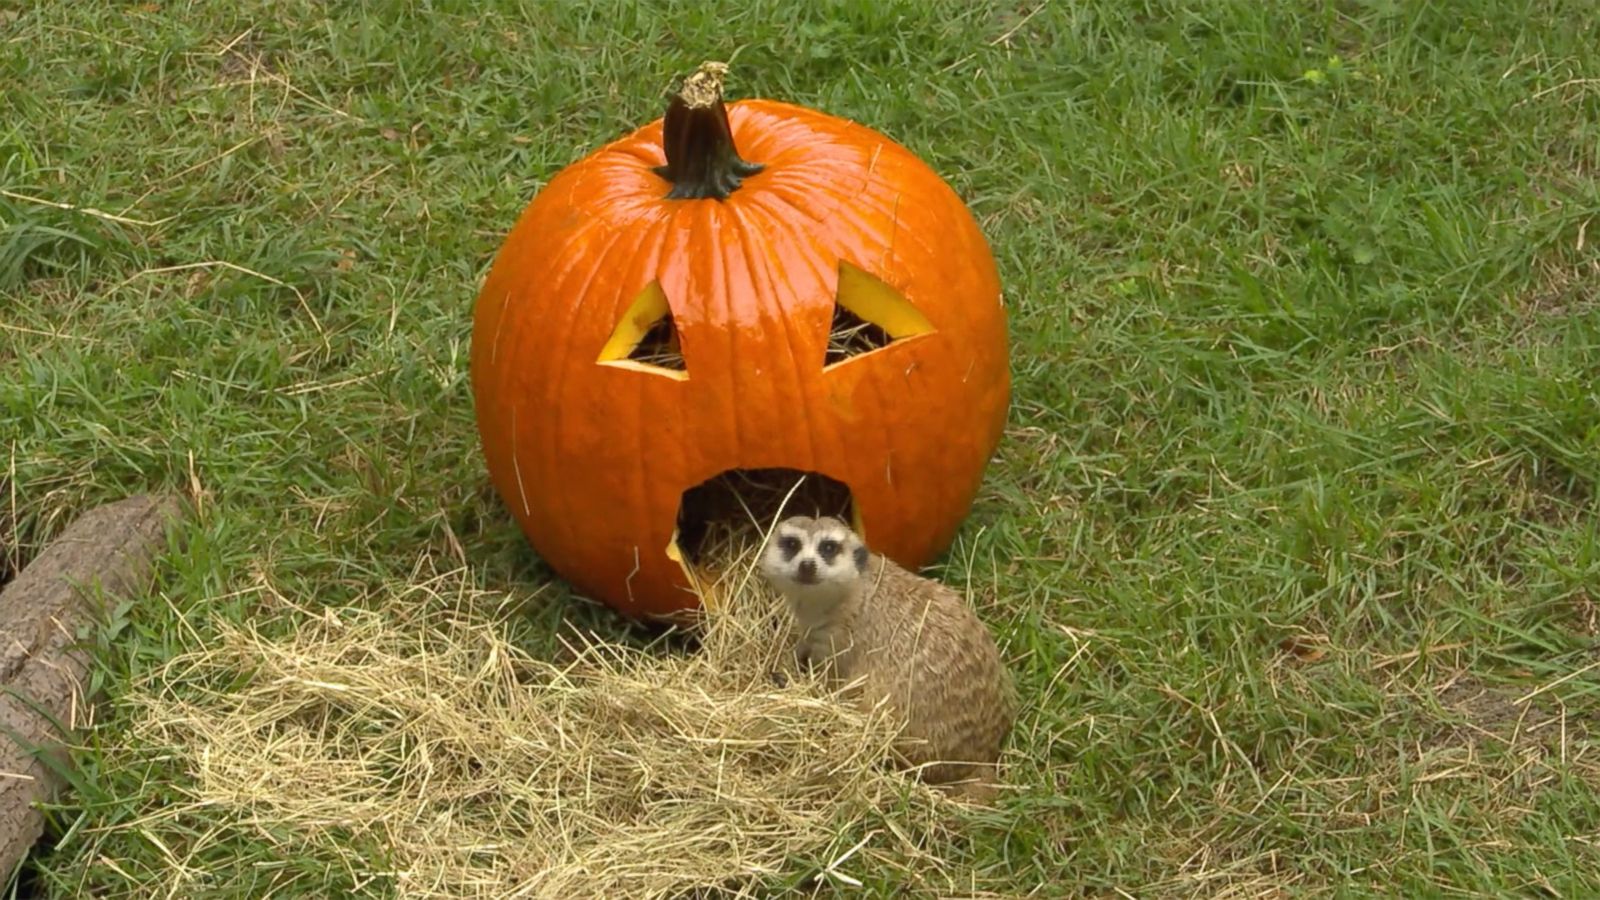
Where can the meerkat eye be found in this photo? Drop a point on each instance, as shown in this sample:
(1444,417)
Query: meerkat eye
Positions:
(828,549)
(790,545)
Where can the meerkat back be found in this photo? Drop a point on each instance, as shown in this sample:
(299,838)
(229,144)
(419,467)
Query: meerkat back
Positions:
(935,661)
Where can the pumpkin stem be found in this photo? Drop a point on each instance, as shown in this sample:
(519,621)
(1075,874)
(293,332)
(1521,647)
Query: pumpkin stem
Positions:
(701,158)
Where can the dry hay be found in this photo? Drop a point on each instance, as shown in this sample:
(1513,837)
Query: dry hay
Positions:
(850,335)
(660,346)
(478,770)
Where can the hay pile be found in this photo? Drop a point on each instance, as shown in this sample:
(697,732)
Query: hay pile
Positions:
(477,770)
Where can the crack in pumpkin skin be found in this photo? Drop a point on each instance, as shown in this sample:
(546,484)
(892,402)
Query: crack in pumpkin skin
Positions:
(909,428)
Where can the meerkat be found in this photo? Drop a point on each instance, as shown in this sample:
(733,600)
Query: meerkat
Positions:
(914,644)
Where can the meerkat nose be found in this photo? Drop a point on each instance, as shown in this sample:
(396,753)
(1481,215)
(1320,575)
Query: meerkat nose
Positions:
(808,571)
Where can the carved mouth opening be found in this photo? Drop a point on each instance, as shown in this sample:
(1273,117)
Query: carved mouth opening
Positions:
(729,514)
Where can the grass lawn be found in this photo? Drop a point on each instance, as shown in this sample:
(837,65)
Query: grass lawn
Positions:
(1292,540)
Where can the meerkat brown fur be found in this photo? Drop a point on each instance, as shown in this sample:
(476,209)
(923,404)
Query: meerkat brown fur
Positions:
(914,643)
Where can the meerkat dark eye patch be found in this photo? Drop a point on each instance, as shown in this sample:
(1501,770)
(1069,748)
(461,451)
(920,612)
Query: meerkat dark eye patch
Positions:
(861,556)
(828,548)
(789,546)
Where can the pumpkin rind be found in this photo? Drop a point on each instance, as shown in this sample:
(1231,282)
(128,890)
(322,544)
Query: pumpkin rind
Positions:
(593,458)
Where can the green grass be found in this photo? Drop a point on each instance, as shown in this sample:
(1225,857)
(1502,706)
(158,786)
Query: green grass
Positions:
(1298,498)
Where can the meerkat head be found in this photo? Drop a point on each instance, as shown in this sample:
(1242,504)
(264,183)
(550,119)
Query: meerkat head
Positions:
(814,561)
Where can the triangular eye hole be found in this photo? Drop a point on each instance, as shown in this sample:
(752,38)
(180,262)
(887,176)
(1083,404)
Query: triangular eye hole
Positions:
(868,315)
(646,340)
(850,335)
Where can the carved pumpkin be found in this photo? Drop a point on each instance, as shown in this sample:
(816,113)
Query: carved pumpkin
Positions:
(736,288)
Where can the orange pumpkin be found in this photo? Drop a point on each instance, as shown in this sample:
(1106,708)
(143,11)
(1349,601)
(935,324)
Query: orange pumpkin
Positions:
(736,237)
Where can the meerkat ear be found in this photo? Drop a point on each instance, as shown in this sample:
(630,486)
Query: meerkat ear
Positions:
(862,554)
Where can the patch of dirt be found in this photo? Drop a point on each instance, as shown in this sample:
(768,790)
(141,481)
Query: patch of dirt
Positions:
(1586,615)
(1568,290)
(1534,495)
(247,61)
(1010,25)
(1557,496)
(1511,718)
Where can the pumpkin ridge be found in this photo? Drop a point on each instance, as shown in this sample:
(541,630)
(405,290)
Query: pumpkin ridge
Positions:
(771,129)
(560,384)
(808,344)
(859,208)
(645,267)
(644,263)
(653,461)
(876,387)
(771,305)
(783,217)
(722,286)
(639,472)
(913,234)
(510,305)
(817,181)
(858,218)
